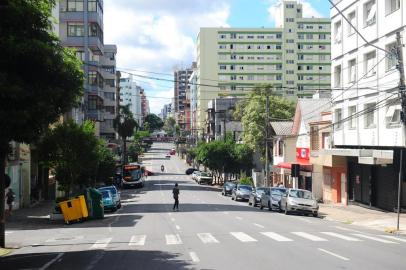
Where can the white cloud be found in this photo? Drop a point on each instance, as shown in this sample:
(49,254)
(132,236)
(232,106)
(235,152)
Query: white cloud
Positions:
(275,11)
(158,35)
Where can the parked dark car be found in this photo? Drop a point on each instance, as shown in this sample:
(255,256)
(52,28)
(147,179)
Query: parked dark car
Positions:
(271,198)
(190,171)
(255,196)
(227,188)
(241,192)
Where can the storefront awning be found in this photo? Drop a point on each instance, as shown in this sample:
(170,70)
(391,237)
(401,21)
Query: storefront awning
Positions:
(304,166)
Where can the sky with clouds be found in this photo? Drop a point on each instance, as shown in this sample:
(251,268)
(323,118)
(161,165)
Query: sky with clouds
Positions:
(159,35)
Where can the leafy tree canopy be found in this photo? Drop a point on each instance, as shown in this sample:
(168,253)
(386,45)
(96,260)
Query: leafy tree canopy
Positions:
(253,115)
(125,124)
(154,122)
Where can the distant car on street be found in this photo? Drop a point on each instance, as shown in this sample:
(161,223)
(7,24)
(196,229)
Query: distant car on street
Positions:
(271,198)
(190,171)
(114,193)
(168,155)
(300,201)
(228,188)
(255,196)
(204,178)
(241,192)
(195,174)
(108,201)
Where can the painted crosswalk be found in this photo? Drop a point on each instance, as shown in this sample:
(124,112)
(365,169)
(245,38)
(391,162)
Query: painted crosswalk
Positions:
(140,240)
(101,244)
(137,240)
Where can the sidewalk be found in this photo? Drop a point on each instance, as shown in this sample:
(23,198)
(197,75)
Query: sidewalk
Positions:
(361,216)
(31,217)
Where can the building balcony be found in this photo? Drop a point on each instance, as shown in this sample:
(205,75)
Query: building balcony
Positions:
(69,16)
(94,43)
(95,115)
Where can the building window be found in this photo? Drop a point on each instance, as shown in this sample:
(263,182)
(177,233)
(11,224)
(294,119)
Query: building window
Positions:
(391,6)
(300,57)
(108,123)
(309,67)
(92,102)
(233,77)
(222,36)
(352,73)
(352,110)
(290,6)
(250,77)
(289,51)
(80,55)
(300,77)
(392,116)
(290,61)
(76,29)
(369,64)
(369,13)
(353,21)
(278,35)
(222,46)
(337,32)
(233,87)
(93,5)
(325,140)
(278,47)
(290,20)
(223,67)
(110,82)
(290,41)
(337,76)
(322,36)
(278,77)
(309,36)
(391,60)
(109,109)
(233,36)
(369,116)
(95,30)
(290,72)
(300,36)
(290,82)
(75,5)
(315,144)
(338,115)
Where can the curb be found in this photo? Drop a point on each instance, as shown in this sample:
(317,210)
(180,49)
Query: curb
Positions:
(4,252)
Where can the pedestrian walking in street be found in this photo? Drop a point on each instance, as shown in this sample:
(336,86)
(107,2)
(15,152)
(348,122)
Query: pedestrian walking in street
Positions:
(10,196)
(175,193)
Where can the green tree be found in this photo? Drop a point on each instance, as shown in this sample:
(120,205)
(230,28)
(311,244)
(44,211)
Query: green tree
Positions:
(72,152)
(169,126)
(106,164)
(39,79)
(253,116)
(125,125)
(155,123)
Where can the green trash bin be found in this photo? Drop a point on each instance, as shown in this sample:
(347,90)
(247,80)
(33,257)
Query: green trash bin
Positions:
(94,203)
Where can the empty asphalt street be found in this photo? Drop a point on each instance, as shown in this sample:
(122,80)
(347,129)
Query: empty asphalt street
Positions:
(210,231)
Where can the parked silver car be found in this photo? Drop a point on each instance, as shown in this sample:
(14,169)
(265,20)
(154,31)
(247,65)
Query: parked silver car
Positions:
(204,177)
(255,196)
(195,174)
(241,192)
(271,198)
(299,200)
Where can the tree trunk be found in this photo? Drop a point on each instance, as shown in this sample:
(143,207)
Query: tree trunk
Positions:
(3,155)
(124,151)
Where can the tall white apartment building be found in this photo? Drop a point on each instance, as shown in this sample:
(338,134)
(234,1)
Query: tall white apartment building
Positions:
(294,58)
(366,112)
(130,93)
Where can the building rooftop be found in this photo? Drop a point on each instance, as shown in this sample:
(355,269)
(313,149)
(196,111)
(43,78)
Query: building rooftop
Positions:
(282,128)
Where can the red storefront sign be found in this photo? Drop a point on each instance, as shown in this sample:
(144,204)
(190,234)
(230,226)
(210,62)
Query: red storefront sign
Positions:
(302,153)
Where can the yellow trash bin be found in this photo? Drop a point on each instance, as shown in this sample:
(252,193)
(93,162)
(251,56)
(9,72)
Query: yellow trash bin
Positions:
(74,209)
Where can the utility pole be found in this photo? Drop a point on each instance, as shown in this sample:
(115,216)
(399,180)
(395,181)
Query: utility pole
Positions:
(118,116)
(399,54)
(266,138)
(224,123)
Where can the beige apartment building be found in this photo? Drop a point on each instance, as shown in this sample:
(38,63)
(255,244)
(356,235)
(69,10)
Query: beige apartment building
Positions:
(293,57)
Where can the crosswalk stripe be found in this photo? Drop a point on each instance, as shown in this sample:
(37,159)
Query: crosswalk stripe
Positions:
(374,238)
(207,238)
(344,237)
(137,240)
(102,243)
(394,238)
(173,239)
(309,236)
(276,237)
(243,237)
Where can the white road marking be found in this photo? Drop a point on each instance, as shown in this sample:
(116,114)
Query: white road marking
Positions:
(194,257)
(305,220)
(207,238)
(243,237)
(137,240)
(173,219)
(170,214)
(259,225)
(177,227)
(374,238)
(9,232)
(394,238)
(100,244)
(55,239)
(173,239)
(276,237)
(239,218)
(344,237)
(334,254)
(347,229)
(48,264)
(309,236)
(225,213)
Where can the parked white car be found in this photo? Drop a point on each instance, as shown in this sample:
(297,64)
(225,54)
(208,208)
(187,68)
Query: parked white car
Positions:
(195,175)
(299,200)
